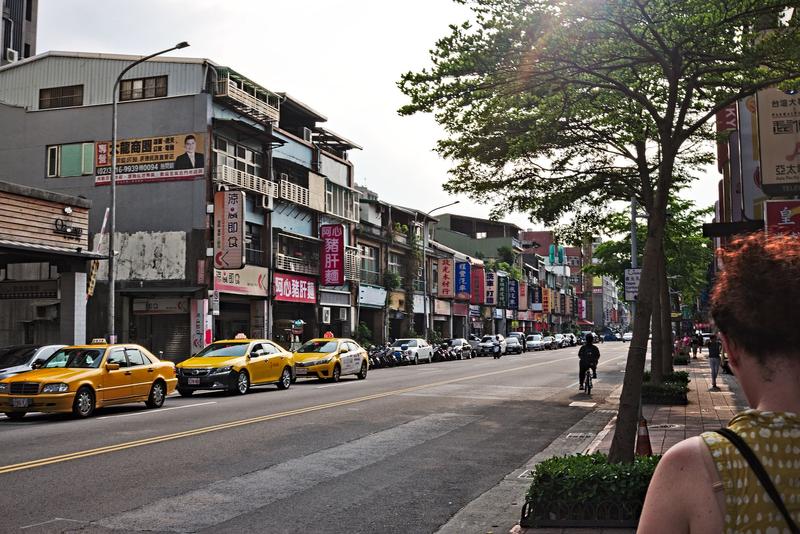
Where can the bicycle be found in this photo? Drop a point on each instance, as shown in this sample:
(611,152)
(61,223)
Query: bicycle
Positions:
(587,381)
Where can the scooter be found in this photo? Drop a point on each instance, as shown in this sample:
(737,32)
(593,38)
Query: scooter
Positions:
(496,351)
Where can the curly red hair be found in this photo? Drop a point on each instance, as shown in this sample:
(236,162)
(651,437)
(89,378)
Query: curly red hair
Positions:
(756,296)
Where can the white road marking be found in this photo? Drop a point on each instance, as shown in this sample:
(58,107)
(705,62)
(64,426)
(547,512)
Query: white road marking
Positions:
(157,411)
(582,404)
(54,520)
(593,446)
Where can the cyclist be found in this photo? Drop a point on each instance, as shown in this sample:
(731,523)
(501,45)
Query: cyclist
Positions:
(589,355)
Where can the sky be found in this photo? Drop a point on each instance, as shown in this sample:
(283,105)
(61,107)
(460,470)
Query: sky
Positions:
(341,57)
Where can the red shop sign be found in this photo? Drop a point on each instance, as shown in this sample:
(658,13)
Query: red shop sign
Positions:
(294,288)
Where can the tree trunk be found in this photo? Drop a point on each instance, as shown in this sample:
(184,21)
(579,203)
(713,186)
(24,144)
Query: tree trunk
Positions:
(622,446)
(657,345)
(666,322)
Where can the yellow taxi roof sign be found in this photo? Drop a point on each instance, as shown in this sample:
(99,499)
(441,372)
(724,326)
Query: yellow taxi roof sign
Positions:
(99,341)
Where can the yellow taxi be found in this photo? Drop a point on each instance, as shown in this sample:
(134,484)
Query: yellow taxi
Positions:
(331,358)
(234,365)
(81,378)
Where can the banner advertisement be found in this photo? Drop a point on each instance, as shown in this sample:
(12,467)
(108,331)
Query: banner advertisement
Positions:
(332,236)
(502,292)
(249,280)
(523,296)
(441,307)
(782,217)
(474,310)
(546,300)
(446,280)
(752,195)
(463,280)
(581,309)
(229,246)
(513,294)
(478,284)
(162,158)
(490,294)
(537,298)
(779,141)
(201,324)
(294,288)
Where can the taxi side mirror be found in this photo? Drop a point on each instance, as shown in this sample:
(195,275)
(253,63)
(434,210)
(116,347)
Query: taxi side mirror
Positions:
(37,364)
(112,366)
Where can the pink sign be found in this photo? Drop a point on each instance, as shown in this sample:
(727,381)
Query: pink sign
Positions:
(332,254)
(294,288)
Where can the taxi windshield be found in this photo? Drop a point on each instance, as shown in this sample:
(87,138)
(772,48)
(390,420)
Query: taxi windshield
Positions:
(16,355)
(222,349)
(75,358)
(318,346)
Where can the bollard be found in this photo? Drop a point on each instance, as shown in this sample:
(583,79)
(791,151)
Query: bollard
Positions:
(643,447)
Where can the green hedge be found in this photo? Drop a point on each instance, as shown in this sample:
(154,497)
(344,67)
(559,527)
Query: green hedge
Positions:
(592,483)
(666,393)
(681,360)
(677,377)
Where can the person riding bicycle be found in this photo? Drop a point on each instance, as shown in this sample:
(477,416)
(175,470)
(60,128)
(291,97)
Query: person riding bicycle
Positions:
(589,355)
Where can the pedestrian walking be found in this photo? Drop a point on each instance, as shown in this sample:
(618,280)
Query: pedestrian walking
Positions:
(714,360)
(744,478)
(697,344)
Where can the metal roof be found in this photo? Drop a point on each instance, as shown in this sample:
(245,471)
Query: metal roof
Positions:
(97,55)
(76,252)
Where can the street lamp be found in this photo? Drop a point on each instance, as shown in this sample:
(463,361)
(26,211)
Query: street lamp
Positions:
(111,275)
(425,268)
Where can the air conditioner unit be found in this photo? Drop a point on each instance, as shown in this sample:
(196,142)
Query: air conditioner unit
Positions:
(307,134)
(12,55)
(267,202)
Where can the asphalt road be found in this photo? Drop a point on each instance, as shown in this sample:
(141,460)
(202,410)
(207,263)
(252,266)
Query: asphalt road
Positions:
(401,451)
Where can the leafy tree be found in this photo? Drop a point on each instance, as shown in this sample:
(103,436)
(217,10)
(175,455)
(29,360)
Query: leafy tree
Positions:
(506,254)
(561,106)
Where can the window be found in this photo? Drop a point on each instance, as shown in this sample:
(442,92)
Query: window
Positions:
(117,356)
(61,97)
(141,88)
(253,251)
(370,272)
(75,159)
(27,49)
(394,263)
(29,10)
(480,235)
(341,201)
(135,357)
(239,157)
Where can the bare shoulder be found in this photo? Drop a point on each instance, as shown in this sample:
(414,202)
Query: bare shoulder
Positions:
(680,493)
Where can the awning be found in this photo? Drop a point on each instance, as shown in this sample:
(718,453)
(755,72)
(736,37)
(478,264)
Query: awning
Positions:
(34,248)
(177,290)
(584,322)
(249,131)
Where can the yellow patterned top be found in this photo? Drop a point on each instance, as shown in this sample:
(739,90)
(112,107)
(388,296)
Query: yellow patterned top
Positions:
(775,439)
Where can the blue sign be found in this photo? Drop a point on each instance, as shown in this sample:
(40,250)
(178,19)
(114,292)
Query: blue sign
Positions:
(463,280)
(513,294)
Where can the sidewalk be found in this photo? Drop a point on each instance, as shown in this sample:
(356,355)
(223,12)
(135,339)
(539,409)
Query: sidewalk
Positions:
(668,425)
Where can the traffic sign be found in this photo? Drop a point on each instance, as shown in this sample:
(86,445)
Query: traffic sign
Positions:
(632,277)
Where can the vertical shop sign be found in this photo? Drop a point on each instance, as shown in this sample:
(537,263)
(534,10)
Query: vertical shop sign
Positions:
(229,229)
(523,295)
(513,294)
(478,284)
(332,254)
(490,296)
(446,281)
(463,280)
(502,291)
(201,324)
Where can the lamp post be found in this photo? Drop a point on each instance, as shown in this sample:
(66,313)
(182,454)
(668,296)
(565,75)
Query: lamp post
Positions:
(425,268)
(113,223)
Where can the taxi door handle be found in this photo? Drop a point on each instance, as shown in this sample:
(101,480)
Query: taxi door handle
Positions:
(128,373)
(150,370)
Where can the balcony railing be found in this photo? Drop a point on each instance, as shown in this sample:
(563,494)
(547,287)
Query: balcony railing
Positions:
(259,104)
(243,180)
(370,277)
(295,193)
(296,265)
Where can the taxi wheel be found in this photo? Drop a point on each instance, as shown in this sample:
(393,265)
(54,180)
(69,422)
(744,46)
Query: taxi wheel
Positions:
(157,395)
(362,374)
(83,405)
(337,373)
(15,416)
(242,384)
(286,379)
(185,392)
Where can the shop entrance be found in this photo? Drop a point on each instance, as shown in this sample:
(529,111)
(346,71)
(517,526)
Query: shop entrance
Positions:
(233,318)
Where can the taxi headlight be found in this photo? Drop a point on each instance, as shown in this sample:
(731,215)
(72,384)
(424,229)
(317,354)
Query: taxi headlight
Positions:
(3,388)
(55,388)
(321,361)
(221,370)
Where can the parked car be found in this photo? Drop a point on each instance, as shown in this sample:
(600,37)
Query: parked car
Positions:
(488,343)
(82,378)
(235,365)
(559,341)
(16,359)
(534,342)
(473,341)
(627,336)
(461,347)
(520,337)
(412,350)
(549,342)
(513,345)
(331,358)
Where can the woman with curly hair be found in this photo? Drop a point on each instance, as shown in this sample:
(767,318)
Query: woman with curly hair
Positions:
(745,478)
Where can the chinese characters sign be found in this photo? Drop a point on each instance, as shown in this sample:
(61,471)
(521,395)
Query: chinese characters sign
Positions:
(513,294)
(249,280)
(478,284)
(151,159)
(446,281)
(779,134)
(537,298)
(502,292)
(490,296)
(782,217)
(463,280)
(523,295)
(201,324)
(229,230)
(294,288)
(332,254)
(546,300)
